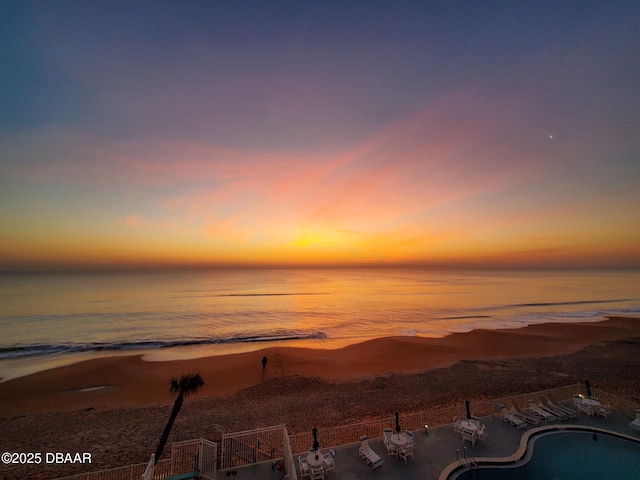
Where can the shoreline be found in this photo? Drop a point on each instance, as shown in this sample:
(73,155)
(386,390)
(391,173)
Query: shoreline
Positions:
(13,368)
(35,362)
(132,381)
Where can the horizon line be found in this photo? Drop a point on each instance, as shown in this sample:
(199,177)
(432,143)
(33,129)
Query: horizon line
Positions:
(122,268)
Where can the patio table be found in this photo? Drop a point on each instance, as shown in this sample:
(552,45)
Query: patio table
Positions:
(398,440)
(313,461)
(469,426)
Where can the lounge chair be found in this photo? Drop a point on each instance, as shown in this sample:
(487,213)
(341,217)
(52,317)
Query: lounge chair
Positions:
(546,405)
(406,451)
(635,424)
(541,412)
(506,416)
(504,413)
(527,417)
(572,413)
(371,457)
(304,467)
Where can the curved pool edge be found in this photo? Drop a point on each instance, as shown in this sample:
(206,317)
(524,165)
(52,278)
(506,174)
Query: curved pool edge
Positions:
(521,452)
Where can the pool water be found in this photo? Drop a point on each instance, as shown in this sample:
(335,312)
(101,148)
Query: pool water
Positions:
(572,456)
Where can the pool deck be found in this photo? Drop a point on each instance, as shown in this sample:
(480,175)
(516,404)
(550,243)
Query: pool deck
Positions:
(433,451)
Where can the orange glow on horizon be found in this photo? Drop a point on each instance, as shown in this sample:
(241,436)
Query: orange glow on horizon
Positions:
(324,247)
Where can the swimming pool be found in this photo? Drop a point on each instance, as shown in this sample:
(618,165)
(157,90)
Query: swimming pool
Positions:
(570,455)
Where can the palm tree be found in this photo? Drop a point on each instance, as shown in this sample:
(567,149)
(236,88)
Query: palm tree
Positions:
(185,385)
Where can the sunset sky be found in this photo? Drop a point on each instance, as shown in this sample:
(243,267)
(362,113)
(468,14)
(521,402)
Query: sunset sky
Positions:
(144,134)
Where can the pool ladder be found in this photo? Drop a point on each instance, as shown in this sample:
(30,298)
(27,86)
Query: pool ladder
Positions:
(469,463)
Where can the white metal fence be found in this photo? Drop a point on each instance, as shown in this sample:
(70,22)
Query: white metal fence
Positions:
(188,456)
(194,456)
(252,446)
(129,472)
(274,443)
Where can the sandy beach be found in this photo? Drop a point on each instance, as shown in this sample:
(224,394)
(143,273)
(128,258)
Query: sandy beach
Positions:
(116,407)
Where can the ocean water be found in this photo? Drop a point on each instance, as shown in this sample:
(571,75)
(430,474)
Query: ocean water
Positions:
(45,314)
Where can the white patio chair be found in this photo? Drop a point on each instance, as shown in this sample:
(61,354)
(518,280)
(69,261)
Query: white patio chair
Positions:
(481,434)
(317,473)
(406,451)
(392,450)
(329,461)
(304,467)
(457,426)
(408,437)
(476,422)
(586,409)
(469,436)
(578,401)
(604,411)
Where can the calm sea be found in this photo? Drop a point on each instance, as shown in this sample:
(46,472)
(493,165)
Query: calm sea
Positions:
(48,314)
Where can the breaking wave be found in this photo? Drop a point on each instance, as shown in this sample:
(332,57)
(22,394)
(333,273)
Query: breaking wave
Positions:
(50,349)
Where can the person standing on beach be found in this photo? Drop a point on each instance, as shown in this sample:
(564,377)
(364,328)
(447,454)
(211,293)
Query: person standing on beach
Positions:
(264,362)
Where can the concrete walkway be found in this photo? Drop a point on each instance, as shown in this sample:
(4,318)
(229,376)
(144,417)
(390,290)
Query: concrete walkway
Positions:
(434,451)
